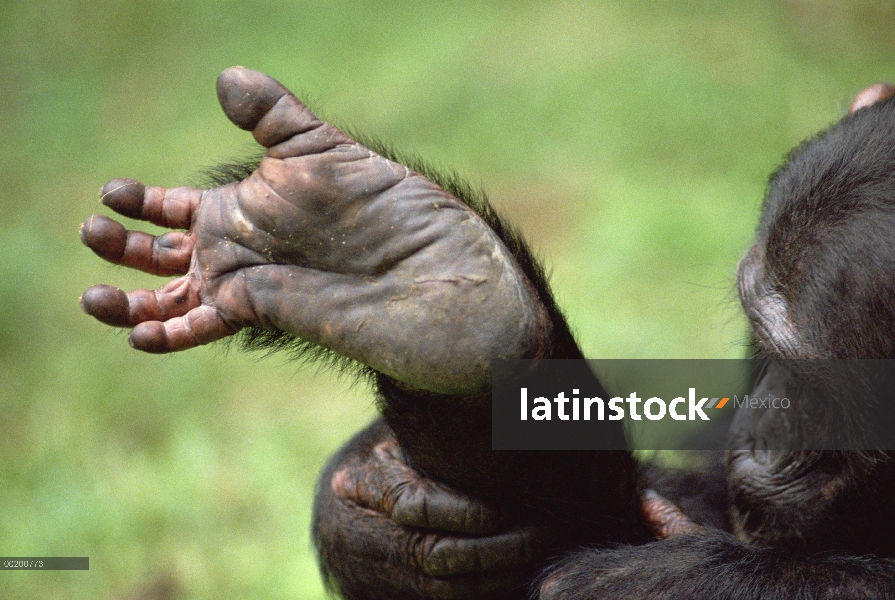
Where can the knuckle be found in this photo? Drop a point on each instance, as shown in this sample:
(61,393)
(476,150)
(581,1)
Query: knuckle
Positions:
(344,485)
(409,506)
(418,547)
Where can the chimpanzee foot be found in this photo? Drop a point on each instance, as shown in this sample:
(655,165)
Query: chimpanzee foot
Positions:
(326,240)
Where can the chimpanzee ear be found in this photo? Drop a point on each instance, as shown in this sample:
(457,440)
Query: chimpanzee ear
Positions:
(871,95)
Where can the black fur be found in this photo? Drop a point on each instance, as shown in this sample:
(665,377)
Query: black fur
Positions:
(715,566)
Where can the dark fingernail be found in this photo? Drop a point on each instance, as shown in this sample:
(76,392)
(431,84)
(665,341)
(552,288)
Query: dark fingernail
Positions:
(106,304)
(124,196)
(107,238)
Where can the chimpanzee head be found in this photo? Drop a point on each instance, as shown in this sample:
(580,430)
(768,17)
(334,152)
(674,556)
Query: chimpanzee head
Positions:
(820,280)
(819,283)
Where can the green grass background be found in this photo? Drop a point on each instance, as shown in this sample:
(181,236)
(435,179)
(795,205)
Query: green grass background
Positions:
(630,140)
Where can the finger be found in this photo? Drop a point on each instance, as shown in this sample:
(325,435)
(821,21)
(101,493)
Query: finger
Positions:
(388,571)
(168,207)
(169,254)
(112,306)
(488,585)
(462,556)
(430,557)
(416,501)
(262,105)
(388,486)
(201,325)
(434,506)
(665,519)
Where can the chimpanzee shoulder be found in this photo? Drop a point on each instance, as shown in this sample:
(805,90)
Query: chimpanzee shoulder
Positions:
(714,565)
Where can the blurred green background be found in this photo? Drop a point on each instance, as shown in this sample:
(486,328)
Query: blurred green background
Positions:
(630,140)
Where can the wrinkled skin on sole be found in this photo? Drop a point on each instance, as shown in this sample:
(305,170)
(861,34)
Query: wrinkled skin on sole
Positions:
(326,240)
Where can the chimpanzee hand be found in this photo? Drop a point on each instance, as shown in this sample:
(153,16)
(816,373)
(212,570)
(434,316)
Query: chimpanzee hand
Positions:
(385,531)
(326,240)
